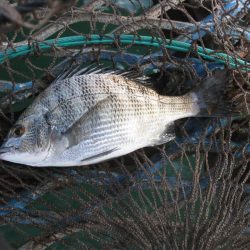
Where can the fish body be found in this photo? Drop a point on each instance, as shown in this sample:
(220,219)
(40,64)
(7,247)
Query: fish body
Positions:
(87,118)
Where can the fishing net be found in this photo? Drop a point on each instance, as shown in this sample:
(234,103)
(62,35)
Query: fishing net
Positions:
(190,193)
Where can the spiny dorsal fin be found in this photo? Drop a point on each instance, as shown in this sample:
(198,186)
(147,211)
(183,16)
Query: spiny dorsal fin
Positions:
(78,70)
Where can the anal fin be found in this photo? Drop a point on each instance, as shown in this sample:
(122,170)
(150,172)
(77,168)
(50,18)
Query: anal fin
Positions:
(167,135)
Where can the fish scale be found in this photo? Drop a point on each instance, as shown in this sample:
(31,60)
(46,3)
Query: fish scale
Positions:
(92,117)
(115,131)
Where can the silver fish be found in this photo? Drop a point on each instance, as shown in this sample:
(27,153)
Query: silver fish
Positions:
(89,117)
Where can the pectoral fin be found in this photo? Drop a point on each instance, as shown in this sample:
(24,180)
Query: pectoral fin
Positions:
(84,126)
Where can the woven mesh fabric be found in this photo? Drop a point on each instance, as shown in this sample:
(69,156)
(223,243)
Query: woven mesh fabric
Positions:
(190,193)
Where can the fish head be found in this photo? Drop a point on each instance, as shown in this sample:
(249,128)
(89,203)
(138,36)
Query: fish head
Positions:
(28,141)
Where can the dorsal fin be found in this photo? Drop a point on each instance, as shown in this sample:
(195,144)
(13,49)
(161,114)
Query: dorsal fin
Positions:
(77,70)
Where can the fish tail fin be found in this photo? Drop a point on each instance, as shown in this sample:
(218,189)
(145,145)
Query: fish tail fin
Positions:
(213,98)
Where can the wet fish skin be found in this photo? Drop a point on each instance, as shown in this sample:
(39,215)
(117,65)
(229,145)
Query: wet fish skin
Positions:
(91,117)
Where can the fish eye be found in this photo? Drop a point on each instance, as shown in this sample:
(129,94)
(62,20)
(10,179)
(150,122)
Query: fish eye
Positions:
(19,130)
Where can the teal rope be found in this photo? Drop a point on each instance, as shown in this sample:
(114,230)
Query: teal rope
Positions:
(72,41)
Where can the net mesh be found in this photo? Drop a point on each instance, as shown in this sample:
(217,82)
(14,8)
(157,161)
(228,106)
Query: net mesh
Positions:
(190,193)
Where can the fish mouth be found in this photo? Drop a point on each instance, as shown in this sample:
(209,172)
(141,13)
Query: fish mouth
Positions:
(4,150)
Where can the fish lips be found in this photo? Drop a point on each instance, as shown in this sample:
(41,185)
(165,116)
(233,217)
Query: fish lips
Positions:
(4,150)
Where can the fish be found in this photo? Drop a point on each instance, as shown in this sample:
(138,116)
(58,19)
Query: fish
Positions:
(90,115)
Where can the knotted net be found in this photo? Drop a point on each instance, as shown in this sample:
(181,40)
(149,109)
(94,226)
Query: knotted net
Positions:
(190,193)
